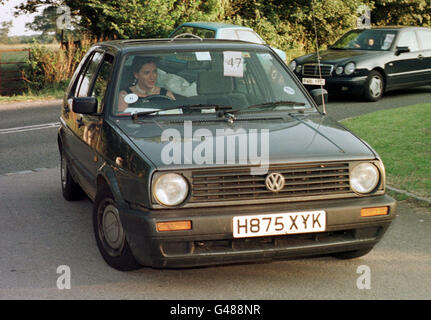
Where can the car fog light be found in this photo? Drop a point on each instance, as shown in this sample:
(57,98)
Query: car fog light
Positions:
(170,189)
(364,177)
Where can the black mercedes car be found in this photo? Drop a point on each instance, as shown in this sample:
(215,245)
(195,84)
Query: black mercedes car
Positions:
(369,62)
(203,151)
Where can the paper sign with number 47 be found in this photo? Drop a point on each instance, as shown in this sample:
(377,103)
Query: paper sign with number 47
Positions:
(233,65)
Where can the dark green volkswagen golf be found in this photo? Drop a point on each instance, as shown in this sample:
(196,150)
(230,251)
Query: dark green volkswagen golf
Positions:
(200,152)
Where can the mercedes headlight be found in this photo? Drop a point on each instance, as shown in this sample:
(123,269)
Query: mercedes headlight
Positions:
(349,68)
(339,70)
(298,68)
(364,177)
(170,189)
(292,65)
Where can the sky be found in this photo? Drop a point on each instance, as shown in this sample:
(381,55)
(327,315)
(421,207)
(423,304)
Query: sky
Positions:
(18,28)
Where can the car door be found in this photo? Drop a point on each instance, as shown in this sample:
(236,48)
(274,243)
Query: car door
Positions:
(425,42)
(93,124)
(406,68)
(77,123)
(72,130)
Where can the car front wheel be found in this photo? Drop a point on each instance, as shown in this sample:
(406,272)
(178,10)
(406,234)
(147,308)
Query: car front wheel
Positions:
(374,86)
(110,235)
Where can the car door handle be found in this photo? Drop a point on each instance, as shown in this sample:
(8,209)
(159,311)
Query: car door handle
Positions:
(420,57)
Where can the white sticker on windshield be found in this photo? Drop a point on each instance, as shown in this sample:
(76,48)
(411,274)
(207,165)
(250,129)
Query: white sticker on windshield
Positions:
(203,56)
(289,90)
(131,98)
(233,65)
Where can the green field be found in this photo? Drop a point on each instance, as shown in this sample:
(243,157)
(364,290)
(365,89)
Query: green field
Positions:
(402,137)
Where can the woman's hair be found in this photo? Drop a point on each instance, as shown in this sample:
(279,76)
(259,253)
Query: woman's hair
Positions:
(139,61)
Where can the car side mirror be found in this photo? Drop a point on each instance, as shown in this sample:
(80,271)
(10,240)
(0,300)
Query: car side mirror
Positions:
(84,105)
(319,96)
(400,50)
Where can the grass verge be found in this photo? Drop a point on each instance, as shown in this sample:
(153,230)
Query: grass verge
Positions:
(402,137)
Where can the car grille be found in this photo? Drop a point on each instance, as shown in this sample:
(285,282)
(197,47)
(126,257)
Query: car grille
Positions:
(313,70)
(213,185)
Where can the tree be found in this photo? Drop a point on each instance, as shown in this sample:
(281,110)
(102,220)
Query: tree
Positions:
(50,22)
(284,24)
(4,31)
(135,18)
(402,12)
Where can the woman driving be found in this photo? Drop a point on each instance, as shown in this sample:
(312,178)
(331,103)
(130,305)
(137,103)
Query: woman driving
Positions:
(145,74)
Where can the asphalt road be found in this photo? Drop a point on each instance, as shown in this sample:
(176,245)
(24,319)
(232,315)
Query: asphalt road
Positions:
(40,231)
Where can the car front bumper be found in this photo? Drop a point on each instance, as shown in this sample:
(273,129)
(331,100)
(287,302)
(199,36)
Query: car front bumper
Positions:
(211,239)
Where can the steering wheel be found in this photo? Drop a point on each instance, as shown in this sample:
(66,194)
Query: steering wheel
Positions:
(156,97)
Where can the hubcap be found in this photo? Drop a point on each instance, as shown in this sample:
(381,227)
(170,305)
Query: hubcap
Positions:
(376,86)
(111,227)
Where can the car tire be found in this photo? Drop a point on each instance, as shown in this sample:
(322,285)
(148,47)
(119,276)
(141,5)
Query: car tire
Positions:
(375,86)
(110,235)
(70,189)
(352,254)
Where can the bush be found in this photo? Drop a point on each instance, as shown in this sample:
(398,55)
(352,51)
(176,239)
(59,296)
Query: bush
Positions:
(53,68)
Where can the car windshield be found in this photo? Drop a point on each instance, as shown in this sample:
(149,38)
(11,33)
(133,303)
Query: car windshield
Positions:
(366,39)
(205,82)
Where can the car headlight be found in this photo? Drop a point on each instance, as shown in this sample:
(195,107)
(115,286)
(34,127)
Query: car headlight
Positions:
(292,65)
(349,68)
(339,70)
(364,177)
(170,189)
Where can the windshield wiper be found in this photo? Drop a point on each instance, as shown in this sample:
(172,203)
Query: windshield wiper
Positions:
(271,104)
(201,106)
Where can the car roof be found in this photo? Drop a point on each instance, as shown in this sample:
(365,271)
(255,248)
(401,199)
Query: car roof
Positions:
(213,25)
(164,44)
(396,27)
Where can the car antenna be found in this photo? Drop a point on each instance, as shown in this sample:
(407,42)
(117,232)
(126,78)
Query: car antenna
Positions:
(318,56)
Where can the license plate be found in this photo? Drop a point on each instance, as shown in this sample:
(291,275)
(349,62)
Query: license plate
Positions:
(313,81)
(279,224)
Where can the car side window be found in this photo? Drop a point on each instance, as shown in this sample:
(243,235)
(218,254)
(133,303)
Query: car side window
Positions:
(408,39)
(79,77)
(84,82)
(249,36)
(229,34)
(102,81)
(425,38)
(204,33)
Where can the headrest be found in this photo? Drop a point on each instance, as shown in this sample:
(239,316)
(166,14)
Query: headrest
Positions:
(214,82)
